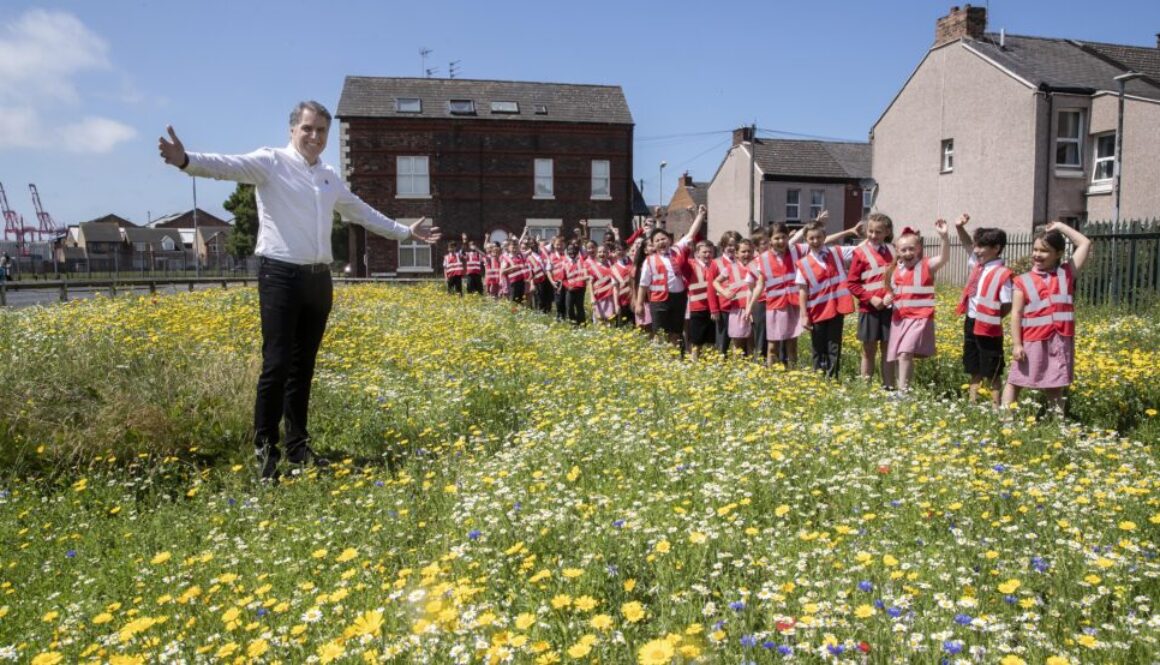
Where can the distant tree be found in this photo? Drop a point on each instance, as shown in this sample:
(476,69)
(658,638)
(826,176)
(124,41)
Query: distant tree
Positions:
(340,240)
(244,236)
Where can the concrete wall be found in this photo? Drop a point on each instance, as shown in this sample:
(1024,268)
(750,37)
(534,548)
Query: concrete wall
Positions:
(729,194)
(992,118)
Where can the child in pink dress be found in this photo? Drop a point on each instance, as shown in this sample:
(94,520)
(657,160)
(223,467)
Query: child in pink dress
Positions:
(1042,316)
(911,293)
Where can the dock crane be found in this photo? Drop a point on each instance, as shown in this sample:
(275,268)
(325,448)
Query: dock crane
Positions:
(47,228)
(14,224)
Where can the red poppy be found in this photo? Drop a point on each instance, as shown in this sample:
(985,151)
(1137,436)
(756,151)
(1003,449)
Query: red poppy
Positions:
(864,647)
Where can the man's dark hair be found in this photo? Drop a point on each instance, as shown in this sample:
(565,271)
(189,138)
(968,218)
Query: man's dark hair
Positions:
(991,237)
(657,232)
(318,109)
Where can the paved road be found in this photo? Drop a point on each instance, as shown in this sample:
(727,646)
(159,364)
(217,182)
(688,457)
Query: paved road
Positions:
(22,298)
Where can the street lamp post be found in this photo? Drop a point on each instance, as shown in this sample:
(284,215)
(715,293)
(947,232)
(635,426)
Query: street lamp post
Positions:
(661,185)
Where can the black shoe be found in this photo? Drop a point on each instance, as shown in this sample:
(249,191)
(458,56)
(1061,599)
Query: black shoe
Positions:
(304,456)
(268,458)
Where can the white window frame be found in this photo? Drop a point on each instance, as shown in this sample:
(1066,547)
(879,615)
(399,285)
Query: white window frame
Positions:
(867,201)
(408,105)
(543,229)
(601,183)
(461,106)
(1097,160)
(167,244)
(599,229)
(543,176)
(408,178)
(795,205)
(817,202)
(418,247)
(947,156)
(1077,140)
(505,107)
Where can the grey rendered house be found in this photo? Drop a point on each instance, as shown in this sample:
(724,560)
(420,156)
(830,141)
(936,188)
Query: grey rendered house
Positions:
(1018,130)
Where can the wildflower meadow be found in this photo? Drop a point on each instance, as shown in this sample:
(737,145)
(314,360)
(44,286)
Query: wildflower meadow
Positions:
(515,490)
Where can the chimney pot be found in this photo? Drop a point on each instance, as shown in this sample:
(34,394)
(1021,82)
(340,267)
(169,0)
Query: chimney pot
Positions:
(960,23)
(742,135)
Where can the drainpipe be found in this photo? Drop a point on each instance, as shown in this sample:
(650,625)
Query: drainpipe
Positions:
(1049,171)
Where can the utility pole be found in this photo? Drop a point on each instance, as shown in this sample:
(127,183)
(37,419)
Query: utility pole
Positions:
(196,258)
(752,172)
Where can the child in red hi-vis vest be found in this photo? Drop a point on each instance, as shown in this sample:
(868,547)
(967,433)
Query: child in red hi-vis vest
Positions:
(556,259)
(758,338)
(575,283)
(622,270)
(986,299)
(824,300)
(472,265)
(912,297)
(774,274)
(663,280)
(493,279)
(641,314)
(516,271)
(541,288)
(733,295)
(701,326)
(866,281)
(726,249)
(603,285)
(1043,316)
(453,268)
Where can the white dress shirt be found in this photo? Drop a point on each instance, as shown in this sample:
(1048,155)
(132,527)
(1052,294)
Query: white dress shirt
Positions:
(675,280)
(1004,289)
(296,202)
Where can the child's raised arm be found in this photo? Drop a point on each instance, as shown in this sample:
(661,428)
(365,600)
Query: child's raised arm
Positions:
(702,212)
(1082,243)
(944,246)
(853,232)
(965,238)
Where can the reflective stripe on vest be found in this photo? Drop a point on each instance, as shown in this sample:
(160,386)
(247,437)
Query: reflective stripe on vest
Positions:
(698,289)
(780,289)
(877,270)
(827,297)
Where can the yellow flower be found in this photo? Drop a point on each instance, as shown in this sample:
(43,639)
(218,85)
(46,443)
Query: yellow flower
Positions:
(160,558)
(656,652)
(49,617)
(781,511)
(629,585)
(633,611)
(1055,660)
(889,561)
(369,623)
(47,658)
(1127,525)
(1088,641)
(573,573)
(1105,563)
(347,554)
(103,617)
(1010,586)
(525,621)
(126,660)
(697,537)
(864,611)
(330,652)
(1012,660)
(257,648)
(585,603)
(663,547)
(318,554)
(601,622)
(1092,579)
(227,650)
(561,600)
(579,650)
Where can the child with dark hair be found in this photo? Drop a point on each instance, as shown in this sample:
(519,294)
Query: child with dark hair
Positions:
(985,301)
(453,268)
(664,278)
(473,266)
(911,296)
(867,283)
(1043,316)
(824,299)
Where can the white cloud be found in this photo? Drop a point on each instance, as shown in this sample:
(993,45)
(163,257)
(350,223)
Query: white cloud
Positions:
(42,55)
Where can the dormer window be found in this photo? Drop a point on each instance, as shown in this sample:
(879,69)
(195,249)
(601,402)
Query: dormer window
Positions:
(541,109)
(505,107)
(461,107)
(408,105)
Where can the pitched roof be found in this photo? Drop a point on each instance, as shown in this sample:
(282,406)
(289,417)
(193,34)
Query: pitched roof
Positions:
(813,159)
(113,219)
(1072,64)
(100,232)
(154,236)
(184,220)
(374,97)
(699,193)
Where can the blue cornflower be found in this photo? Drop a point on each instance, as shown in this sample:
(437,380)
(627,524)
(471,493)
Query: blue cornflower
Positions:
(71,553)
(866,586)
(1040,564)
(379,483)
(737,605)
(769,644)
(963,619)
(474,534)
(894,612)
(231,501)
(785,650)
(618,523)
(999,467)
(952,646)
(748,641)
(836,649)
(1010,600)
(878,604)
(263,611)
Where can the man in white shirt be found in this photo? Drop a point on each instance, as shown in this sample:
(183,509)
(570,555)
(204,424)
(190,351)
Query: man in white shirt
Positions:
(297,195)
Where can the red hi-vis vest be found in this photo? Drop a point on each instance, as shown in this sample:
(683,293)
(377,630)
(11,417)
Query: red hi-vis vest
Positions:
(914,291)
(779,274)
(575,273)
(493,266)
(623,274)
(473,261)
(826,292)
(535,264)
(558,261)
(603,283)
(658,287)
(874,275)
(734,281)
(988,312)
(1050,303)
(515,267)
(452,265)
(698,286)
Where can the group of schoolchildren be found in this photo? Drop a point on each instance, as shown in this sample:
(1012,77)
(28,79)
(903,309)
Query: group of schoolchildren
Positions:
(759,294)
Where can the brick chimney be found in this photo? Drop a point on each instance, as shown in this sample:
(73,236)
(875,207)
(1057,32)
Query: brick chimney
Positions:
(685,180)
(742,135)
(966,21)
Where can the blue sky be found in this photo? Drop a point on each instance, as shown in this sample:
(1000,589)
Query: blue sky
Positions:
(86,87)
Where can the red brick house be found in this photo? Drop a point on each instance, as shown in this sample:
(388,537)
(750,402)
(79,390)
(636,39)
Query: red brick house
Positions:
(485,158)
